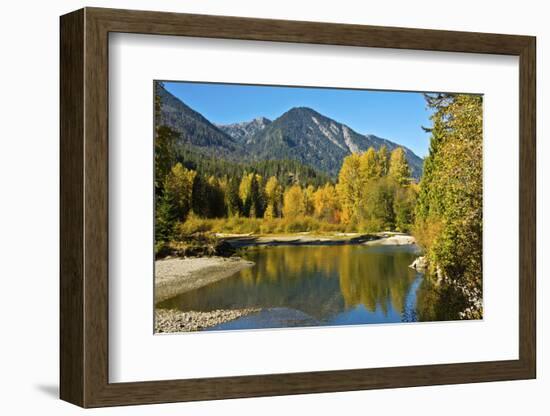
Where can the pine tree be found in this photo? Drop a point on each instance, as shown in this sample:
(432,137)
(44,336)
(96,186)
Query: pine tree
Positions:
(165,219)
(165,140)
(216,198)
(256,198)
(233,200)
(199,200)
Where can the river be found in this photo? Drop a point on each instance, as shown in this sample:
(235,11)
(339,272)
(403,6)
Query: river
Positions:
(300,286)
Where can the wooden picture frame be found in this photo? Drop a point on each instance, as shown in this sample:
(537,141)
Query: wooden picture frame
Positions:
(84,207)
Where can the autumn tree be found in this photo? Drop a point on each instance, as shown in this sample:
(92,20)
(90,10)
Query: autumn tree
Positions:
(293,202)
(383,160)
(349,187)
(326,204)
(178,189)
(369,167)
(399,167)
(244,193)
(309,205)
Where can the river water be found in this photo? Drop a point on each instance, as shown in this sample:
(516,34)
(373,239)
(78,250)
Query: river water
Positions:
(315,286)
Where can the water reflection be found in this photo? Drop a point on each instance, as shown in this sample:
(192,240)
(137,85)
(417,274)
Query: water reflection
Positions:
(315,285)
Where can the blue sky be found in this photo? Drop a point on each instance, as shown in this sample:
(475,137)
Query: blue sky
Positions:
(396,116)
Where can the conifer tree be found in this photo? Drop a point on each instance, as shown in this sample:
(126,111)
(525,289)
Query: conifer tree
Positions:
(273,194)
(165,219)
(256,198)
(165,140)
(233,200)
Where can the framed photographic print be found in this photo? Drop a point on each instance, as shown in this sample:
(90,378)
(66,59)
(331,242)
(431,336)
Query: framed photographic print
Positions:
(255,207)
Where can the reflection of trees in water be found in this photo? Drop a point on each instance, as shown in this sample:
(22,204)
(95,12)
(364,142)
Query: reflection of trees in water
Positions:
(439,302)
(409,313)
(320,281)
(374,278)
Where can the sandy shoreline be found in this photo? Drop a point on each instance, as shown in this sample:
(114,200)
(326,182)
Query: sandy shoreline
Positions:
(383,238)
(393,239)
(177,275)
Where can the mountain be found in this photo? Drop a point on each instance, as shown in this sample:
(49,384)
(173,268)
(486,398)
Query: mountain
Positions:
(242,132)
(194,129)
(315,140)
(300,134)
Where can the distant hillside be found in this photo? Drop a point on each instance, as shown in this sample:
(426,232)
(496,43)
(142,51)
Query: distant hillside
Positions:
(300,134)
(194,129)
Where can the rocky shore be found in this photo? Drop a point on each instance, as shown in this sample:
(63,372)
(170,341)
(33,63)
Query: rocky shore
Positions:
(419,264)
(170,320)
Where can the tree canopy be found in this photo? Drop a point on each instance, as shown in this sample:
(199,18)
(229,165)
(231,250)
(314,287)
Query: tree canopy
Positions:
(449,220)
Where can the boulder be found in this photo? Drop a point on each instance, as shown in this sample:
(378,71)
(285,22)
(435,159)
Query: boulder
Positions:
(420,264)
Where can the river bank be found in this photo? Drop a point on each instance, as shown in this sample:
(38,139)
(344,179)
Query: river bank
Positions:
(392,239)
(178,275)
(382,238)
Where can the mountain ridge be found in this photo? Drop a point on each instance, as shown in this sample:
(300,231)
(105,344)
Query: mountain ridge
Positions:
(242,130)
(194,129)
(300,133)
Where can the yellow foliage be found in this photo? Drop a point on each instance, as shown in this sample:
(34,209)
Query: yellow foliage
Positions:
(293,202)
(349,187)
(327,206)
